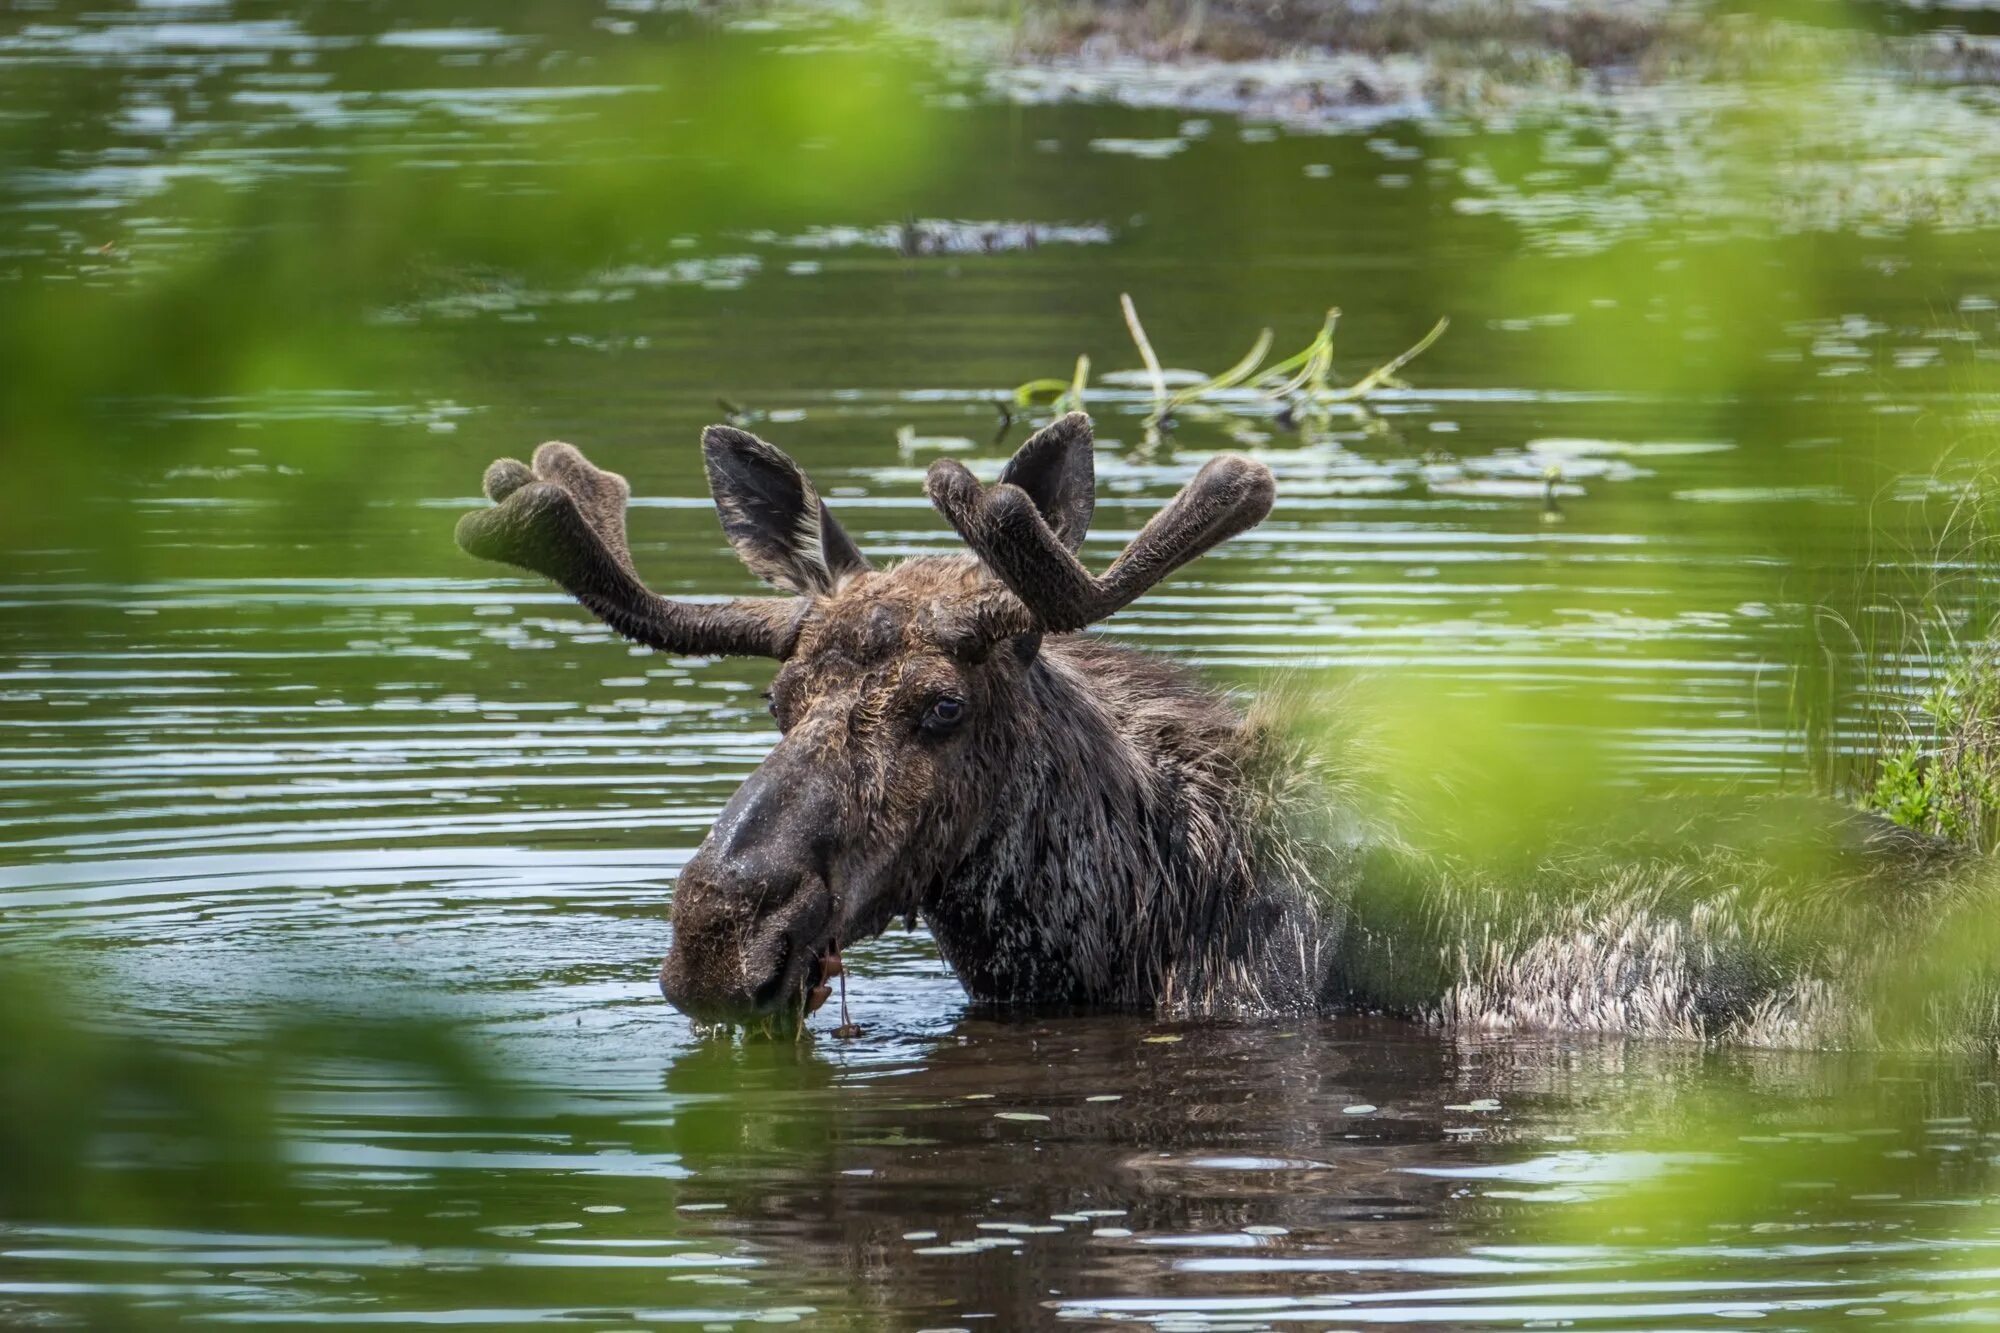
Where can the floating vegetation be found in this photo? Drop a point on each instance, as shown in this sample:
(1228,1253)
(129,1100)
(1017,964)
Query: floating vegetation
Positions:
(1296,389)
(916,238)
(1058,396)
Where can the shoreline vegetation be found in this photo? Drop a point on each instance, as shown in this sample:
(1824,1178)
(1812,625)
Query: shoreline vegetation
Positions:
(1899,699)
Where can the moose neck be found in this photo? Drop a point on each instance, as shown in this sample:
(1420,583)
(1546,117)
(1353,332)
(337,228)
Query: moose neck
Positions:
(1116,868)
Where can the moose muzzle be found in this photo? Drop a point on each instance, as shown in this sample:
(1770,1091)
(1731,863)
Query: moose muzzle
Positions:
(754,912)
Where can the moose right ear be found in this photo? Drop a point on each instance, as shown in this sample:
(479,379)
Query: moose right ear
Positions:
(1057,470)
(773,517)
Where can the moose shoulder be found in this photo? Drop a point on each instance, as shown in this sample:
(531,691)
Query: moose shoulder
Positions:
(1078,823)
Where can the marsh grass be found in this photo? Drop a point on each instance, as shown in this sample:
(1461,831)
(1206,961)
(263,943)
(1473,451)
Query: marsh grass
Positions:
(1897,695)
(1945,779)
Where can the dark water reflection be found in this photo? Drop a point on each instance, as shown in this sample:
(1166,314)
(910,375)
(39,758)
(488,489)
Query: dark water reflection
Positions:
(287,280)
(1335,1173)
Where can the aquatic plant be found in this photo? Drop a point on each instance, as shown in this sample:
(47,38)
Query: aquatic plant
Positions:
(1897,697)
(1946,781)
(1298,387)
(1057,396)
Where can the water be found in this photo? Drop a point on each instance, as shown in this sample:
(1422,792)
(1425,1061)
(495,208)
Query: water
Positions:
(292,279)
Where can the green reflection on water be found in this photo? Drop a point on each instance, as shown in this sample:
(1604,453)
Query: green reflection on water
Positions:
(268,313)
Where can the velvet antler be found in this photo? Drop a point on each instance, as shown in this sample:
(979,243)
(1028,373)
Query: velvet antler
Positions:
(1004,526)
(564,519)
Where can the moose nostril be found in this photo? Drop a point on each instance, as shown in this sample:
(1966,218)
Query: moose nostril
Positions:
(822,847)
(772,989)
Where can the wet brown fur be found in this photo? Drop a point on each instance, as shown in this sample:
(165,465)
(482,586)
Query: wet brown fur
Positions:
(1083,839)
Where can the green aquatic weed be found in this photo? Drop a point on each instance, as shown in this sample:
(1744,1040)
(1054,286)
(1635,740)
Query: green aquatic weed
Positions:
(1945,780)
(1301,383)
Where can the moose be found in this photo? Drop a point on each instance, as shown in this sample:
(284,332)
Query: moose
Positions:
(1081,824)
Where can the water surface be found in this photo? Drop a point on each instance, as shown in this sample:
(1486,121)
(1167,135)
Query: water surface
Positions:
(270,737)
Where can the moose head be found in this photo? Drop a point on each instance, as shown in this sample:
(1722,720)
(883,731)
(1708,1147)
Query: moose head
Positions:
(905,695)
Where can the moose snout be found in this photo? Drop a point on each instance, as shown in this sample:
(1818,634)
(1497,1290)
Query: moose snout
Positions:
(727,964)
(753,910)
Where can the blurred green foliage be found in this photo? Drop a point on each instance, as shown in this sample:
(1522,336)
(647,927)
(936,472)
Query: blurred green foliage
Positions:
(287,282)
(132,1125)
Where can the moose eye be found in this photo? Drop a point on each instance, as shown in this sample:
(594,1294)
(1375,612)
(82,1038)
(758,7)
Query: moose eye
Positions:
(772,706)
(944,713)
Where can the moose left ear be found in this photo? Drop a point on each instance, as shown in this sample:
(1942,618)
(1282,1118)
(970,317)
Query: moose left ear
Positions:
(1058,471)
(773,517)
